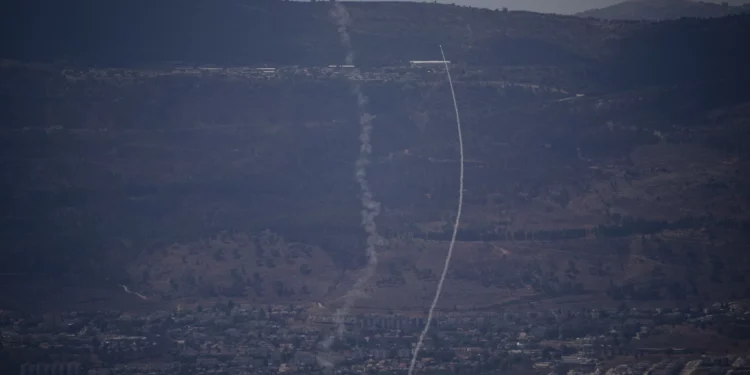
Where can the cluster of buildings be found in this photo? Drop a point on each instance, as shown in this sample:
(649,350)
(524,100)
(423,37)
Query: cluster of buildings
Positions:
(243,339)
(70,368)
(412,71)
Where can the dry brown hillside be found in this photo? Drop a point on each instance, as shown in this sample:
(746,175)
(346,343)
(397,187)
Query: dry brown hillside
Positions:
(597,168)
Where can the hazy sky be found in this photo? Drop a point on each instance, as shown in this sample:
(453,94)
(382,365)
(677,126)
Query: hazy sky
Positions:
(545,6)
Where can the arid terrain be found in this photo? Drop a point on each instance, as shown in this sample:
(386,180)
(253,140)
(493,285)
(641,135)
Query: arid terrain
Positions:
(656,10)
(595,170)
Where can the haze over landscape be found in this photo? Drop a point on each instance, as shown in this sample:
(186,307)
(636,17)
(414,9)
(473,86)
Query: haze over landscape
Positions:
(183,191)
(553,6)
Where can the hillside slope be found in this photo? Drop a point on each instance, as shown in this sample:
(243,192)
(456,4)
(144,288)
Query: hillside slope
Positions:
(655,10)
(587,177)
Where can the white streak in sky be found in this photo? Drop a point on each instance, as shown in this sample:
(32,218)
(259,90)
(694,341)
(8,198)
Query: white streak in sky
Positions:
(370,207)
(455,226)
(127,290)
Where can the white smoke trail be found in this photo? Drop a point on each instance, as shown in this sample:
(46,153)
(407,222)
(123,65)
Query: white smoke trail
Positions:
(127,290)
(370,207)
(455,226)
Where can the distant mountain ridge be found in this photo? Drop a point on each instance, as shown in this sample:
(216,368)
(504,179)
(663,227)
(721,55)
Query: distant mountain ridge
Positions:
(545,6)
(654,10)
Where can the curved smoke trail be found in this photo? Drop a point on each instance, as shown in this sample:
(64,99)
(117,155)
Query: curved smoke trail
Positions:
(455,225)
(127,290)
(370,207)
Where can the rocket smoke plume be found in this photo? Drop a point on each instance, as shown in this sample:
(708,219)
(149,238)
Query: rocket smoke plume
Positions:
(455,225)
(127,290)
(370,207)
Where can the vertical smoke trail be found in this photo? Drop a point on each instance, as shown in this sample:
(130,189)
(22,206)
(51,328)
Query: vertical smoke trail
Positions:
(455,226)
(370,207)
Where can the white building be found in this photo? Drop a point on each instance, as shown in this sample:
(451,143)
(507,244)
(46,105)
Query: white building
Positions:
(427,63)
